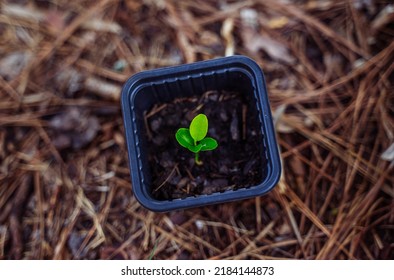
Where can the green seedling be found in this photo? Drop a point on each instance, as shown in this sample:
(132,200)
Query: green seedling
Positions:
(193,138)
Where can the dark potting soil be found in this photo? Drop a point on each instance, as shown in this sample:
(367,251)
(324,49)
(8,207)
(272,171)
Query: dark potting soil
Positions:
(238,162)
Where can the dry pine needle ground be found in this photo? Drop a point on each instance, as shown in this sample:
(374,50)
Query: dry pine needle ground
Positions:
(64,181)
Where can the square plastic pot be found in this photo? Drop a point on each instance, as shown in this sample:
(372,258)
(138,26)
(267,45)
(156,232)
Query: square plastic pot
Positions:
(143,90)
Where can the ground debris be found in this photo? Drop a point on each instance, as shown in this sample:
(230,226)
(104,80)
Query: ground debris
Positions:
(65,189)
(74,128)
(12,64)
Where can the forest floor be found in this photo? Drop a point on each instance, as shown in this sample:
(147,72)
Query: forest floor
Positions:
(65,190)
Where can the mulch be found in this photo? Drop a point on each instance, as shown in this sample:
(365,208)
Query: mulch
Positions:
(65,190)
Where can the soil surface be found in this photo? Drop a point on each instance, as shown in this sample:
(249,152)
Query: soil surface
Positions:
(238,162)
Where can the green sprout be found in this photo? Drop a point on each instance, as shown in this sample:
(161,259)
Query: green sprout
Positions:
(193,138)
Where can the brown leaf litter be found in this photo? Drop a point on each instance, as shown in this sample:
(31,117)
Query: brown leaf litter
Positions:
(65,190)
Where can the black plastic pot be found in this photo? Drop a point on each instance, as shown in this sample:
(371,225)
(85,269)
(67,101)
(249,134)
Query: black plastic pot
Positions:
(143,90)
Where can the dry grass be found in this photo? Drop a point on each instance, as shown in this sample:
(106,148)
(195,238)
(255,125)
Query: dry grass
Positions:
(64,181)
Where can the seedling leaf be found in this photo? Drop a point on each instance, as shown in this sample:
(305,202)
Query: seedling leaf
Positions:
(184,138)
(199,127)
(194,139)
(208,144)
(195,149)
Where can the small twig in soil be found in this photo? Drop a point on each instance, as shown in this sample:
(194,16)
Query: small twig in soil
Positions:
(189,173)
(19,203)
(168,178)
(198,108)
(147,126)
(156,109)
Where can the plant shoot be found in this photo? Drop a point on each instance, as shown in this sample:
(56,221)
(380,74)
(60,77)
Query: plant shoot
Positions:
(193,138)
